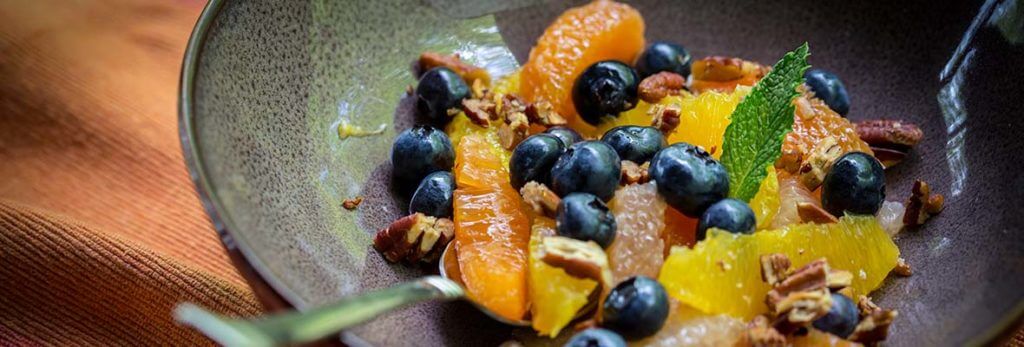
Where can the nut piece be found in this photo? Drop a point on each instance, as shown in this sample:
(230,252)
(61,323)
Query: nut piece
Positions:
(479,111)
(582,259)
(902,268)
(810,277)
(657,86)
(811,213)
(414,237)
(760,333)
(774,268)
(513,132)
(633,173)
(874,327)
(890,140)
(540,198)
(819,162)
(352,203)
(922,204)
(470,73)
(543,113)
(838,279)
(800,309)
(665,118)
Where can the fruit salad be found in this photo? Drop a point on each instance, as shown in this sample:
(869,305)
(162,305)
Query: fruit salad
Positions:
(616,191)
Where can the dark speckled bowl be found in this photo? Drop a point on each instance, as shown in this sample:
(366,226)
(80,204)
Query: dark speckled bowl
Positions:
(265,85)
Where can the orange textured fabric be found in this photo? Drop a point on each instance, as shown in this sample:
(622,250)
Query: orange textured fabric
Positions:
(101,232)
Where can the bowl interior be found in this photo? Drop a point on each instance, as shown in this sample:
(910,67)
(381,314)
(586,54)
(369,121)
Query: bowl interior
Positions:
(268,83)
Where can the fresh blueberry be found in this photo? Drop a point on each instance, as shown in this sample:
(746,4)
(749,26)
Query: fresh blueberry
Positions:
(605,89)
(588,167)
(663,56)
(417,152)
(635,143)
(827,87)
(434,195)
(688,178)
(440,89)
(841,319)
(855,185)
(533,158)
(727,214)
(636,308)
(596,337)
(583,216)
(566,134)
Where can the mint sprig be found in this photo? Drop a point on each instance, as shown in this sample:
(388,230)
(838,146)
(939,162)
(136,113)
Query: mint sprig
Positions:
(760,122)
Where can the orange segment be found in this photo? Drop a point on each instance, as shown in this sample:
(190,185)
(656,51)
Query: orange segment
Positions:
(581,36)
(491,231)
(703,118)
(722,275)
(555,295)
(813,121)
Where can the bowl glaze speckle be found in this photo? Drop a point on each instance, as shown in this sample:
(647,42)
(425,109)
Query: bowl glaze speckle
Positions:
(265,85)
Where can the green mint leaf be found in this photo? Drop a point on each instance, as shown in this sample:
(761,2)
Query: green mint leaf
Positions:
(760,122)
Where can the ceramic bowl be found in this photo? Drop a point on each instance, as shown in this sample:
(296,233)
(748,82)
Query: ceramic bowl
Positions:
(266,84)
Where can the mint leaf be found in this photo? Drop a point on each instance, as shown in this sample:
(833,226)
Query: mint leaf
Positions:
(760,122)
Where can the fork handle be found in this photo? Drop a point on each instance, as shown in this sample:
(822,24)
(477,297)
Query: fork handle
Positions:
(300,327)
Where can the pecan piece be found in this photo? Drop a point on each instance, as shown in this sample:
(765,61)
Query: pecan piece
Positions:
(811,213)
(665,118)
(760,333)
(718,69)
(479,111)
(891,140)
(922,204)
(633,173)
(582,259)
(774,268)
(513,131)
(810,277)
(819,161)
(543,113)
(414,237)
(468,72)
(902,268)
(657,86)
(800,309)
(874,327)
(540,198)
(866,306)
(351,203)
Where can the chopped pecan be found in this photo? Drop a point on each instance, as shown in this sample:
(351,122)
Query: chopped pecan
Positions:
(633,173)
(891,140)
(351,203)
(922,204)
(866,306)
(468,72)
(774,268)
(657,86)
(543,113)
(718,69)
(902,268)
(479,111)
(819,161)
(514,131)
(809,212)
(810,277)
(874,327)
(510,105)
(800,309)
(760,333)
(414,237)
(665,118)
(540,198)
(582,259)
(838,279)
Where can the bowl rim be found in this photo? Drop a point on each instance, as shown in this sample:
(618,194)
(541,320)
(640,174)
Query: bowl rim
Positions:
(249,264)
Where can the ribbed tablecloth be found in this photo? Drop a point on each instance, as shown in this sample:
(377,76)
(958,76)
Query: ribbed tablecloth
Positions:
(101,233)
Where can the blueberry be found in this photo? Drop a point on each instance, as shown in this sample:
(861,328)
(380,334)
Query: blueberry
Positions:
(827,87)
(727,214)
(855,185)
(688,178)
(636,308)
(417,152)
(583,216)
(440,89)
(588,167)
(433,197)
(841,319)
(533,158)
(605,89)
(663,56)
(596,337)
(566,134)
(635,143)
